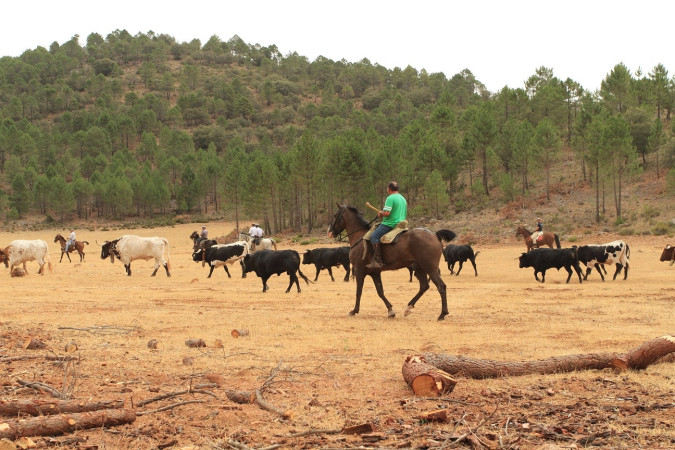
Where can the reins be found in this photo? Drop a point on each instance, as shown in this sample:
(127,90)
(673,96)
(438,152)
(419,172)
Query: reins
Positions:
(341,238)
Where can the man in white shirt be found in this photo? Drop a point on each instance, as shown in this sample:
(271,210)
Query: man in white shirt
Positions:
(256,234)
(255,231)
(70,241)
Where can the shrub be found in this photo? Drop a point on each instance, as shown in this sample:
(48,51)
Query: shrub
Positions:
(649,212)
(660,229)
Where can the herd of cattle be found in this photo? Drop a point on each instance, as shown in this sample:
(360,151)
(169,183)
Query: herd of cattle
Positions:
(266,262)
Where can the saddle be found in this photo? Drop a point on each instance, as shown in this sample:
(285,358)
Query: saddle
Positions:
(389,238)
(540,239)
(392,236)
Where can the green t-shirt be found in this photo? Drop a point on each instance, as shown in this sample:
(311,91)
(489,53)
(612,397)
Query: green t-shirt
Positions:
(398,209)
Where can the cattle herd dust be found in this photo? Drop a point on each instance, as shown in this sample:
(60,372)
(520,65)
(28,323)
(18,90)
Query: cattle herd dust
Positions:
(329,370)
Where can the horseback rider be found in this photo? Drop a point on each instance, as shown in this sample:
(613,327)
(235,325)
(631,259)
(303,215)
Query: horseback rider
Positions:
(70,241)
(395,210)
(539,230)
(203,236)
(256,234)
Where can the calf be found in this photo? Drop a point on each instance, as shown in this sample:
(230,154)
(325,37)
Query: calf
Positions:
(542,259)
(220,255)
(615,252)
(325,258)
(668,254)
(266,263)
(459,253)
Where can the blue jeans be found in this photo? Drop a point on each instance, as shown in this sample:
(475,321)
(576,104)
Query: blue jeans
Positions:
(380,231)
(68,244)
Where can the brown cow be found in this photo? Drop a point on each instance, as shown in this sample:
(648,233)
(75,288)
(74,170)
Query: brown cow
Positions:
(668,254)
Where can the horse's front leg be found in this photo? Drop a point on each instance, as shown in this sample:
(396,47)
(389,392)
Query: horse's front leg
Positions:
(424,286)
(442,289)
(360,278)
(377,280)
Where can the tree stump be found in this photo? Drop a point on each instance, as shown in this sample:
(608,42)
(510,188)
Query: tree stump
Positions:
(425,379)
(239,333)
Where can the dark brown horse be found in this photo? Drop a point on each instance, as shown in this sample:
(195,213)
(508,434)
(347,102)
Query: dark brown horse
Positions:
(78,245)
(546,239)
(419,246)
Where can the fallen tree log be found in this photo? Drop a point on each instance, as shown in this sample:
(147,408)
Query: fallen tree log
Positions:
(637,359)
(46,407)
(425,379)
(65,423)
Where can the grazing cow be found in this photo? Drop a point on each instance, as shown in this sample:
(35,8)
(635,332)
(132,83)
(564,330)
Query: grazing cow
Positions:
(266,263)
(542,259)
(21,251)
(668,254)
(459,253)
(615,252)
(130,248)
(221,255)
(325,258)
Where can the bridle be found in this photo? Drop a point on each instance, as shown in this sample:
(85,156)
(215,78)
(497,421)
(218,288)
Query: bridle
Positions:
(341,237)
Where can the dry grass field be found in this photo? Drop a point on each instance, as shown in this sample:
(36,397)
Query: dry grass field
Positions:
(328,370)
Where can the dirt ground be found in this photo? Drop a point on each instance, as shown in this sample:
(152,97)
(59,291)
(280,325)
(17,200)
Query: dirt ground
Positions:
(322,370)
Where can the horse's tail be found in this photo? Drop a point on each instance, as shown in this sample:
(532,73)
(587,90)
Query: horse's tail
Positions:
(445,235)
(85,242)
(557,241)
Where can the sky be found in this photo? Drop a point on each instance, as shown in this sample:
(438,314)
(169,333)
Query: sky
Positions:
(502,43)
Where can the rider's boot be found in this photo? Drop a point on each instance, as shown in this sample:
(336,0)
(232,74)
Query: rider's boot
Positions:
(376,261)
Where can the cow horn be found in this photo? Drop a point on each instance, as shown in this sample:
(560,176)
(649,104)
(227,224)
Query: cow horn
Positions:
(101,245)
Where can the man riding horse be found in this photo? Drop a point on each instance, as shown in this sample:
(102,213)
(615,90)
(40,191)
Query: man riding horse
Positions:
(395,210)
(256,234)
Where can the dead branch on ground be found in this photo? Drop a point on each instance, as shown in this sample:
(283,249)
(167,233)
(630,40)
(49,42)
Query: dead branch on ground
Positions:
(42,387)
(166,408)
(105,329)
(46,357)
(46,407)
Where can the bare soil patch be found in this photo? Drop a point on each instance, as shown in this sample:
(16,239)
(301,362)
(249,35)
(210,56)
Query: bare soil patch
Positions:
(328,370)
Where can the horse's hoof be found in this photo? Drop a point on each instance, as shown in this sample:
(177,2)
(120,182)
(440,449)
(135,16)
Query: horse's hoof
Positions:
(408,311)
(391,314)
(352,313)
(441,317)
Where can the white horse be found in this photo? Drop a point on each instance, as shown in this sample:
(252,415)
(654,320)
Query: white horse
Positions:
(264,244)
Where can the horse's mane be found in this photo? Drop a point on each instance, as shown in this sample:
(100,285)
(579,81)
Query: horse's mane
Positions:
(526,229)
(364,223)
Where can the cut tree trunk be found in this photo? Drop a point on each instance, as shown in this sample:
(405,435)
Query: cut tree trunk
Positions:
(47,407)
(65,423)
(637,359)
(425,379)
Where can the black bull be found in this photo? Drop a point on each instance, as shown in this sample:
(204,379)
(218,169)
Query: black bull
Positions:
(542,259)
(326,258)
(266,263)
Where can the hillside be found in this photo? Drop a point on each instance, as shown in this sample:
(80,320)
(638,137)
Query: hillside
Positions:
(146,131)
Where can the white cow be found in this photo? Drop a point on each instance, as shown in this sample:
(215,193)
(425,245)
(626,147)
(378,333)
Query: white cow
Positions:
(21,251)
(129,248)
